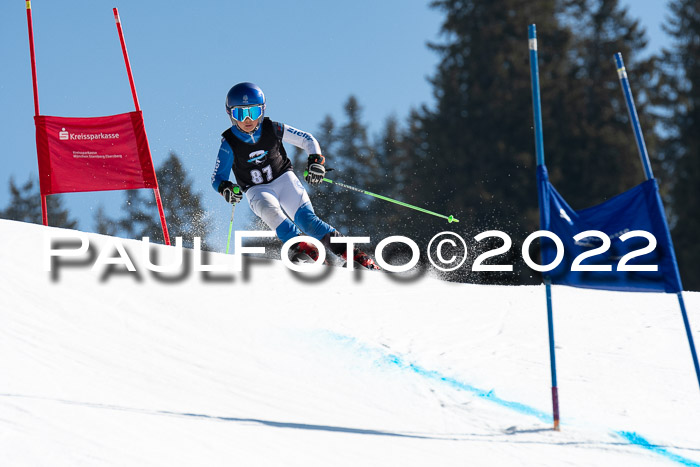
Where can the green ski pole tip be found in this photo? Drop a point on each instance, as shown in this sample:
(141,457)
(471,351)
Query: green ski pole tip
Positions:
(306,172)
(452,219)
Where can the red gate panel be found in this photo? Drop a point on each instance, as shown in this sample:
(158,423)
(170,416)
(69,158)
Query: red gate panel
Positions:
(93,154)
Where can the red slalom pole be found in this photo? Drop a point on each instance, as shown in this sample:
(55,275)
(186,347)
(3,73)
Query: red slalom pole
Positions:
(126,58)
(35,86)
(159,202)
(30,26)
(156,191)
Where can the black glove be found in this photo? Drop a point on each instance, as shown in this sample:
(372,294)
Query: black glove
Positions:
(231,192)
(315,171)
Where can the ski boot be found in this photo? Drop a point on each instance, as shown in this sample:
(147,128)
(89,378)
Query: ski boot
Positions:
(361,259)
(303,252)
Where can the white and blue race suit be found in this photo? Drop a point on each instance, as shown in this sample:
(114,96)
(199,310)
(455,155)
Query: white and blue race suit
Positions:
(262,169)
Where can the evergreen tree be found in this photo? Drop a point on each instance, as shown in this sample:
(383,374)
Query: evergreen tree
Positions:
(680,148)
(396,179)
(395,165)
(25,206)
(140,216)
(480,141)
(480,162)
(321,196)
(327,137)
(595,155)
(184,213)
(25,203)
(104,224)
(352,157)
(415,157)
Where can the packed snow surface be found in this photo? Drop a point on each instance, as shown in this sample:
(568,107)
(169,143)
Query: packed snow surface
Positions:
(269,367)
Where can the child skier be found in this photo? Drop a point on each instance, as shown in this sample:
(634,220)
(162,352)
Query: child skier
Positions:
(252,148)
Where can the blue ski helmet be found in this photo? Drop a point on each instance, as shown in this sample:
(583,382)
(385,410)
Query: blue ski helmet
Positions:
(244,95)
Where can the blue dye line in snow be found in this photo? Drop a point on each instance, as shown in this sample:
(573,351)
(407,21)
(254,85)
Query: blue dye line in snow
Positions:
(382,358)
(637,440)
(394,360)
(488,395)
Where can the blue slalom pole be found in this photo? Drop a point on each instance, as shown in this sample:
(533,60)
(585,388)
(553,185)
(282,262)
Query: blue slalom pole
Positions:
(644,155)
(689,333)
(552,356)
(686,323)
(634,119)
(539,148)
(537,106)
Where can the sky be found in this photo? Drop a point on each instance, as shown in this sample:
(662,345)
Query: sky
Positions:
(308,56)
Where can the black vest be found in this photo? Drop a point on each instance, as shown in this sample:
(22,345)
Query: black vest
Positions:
(261,162)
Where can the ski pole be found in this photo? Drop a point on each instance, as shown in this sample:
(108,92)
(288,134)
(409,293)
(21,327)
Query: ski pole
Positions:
(230,226)
(450,218)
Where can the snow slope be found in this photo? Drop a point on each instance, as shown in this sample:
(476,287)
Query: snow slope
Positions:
(269,368)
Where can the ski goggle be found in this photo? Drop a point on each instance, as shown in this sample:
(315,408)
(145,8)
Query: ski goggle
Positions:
(241,113)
